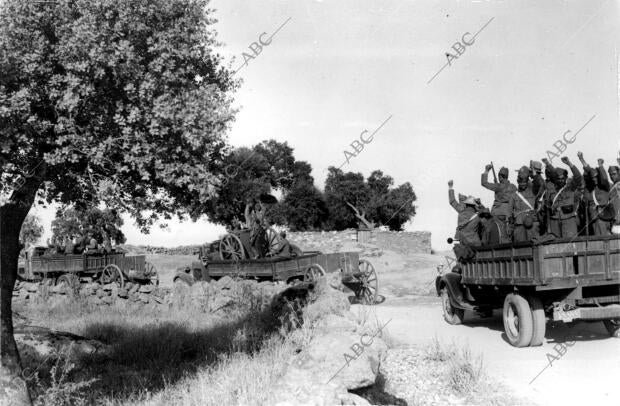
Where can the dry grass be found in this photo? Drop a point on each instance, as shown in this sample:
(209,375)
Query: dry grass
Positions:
(464,375)
(156,356)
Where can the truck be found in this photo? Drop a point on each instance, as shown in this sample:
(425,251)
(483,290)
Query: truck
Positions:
(563,280)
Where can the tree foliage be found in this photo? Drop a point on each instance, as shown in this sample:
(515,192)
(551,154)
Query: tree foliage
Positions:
(303,208)
(118,102)
(249,172)
(31,230)
(374,197)
(98,222)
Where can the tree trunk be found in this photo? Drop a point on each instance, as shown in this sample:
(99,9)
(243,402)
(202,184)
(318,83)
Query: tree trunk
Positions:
(13,388)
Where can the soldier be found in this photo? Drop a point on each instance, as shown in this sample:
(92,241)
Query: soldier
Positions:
(468,220)
(596,198)
(503,189)
(286,249)
(522,206)
(614,197)
(563,203)
(255,218)
(69,247)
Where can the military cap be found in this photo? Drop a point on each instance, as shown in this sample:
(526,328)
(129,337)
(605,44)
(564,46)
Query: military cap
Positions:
(537,166)
(524,173)
(470,200)
(561,171)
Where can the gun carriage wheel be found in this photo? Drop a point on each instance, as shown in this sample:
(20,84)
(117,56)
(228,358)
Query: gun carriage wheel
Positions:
(151,272)
(313,272)
(273,241)
(112,274)
(231,248)
(369,285)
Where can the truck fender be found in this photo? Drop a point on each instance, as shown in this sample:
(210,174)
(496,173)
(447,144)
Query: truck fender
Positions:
(183,276)
(452,281)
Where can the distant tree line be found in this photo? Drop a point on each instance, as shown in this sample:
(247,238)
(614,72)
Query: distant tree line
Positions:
(270,167)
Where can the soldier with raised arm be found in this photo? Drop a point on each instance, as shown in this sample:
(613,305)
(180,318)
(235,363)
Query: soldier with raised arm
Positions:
(522,206)
(503,189)
(614,196)
(468,225)
(596,198)
(563,203)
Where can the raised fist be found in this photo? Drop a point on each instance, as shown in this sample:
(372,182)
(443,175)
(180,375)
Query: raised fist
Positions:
(600,162)
(488,167)
(545,161)
(580,155)
(566,160)
(450,183)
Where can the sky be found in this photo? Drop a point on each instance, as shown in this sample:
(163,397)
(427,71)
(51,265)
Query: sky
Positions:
(534,71)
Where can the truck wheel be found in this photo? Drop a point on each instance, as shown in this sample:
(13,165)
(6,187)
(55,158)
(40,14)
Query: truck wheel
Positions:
(539,321)
(518,323)
(613,326)
(451,314)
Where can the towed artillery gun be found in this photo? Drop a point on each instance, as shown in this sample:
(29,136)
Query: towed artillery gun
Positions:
(213,263)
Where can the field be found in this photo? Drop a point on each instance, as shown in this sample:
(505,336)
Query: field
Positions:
(176,356)
(167,265)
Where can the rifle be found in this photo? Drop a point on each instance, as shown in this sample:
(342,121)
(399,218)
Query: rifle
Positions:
(494,175)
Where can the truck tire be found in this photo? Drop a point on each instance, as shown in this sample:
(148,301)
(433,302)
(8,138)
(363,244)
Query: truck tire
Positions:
(613,326)
(539,321)
(518,323)
(451,314)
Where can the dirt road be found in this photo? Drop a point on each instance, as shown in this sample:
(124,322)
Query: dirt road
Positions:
(587,373)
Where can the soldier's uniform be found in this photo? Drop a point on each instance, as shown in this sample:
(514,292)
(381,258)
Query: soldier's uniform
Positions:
(596,198)
(522,205)
(614,199)
(500,210)
(467,230)
(563,205)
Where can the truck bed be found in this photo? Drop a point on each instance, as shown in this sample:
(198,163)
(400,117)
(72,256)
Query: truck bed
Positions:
(562,263)
(278,268)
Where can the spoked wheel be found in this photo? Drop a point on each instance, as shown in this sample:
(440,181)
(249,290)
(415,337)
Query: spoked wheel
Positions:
(68,283)
(451,314)
(613,326)
(231,248)
(151,272)
(112,274)
(369,283)
(314,272)
(518,321)
(272,241)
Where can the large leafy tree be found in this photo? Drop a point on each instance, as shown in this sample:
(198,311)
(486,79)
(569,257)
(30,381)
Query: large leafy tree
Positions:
(340,188)
(114,102)
(93,220)
(249,172)
(375,198)
(31,231)
(304,207)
